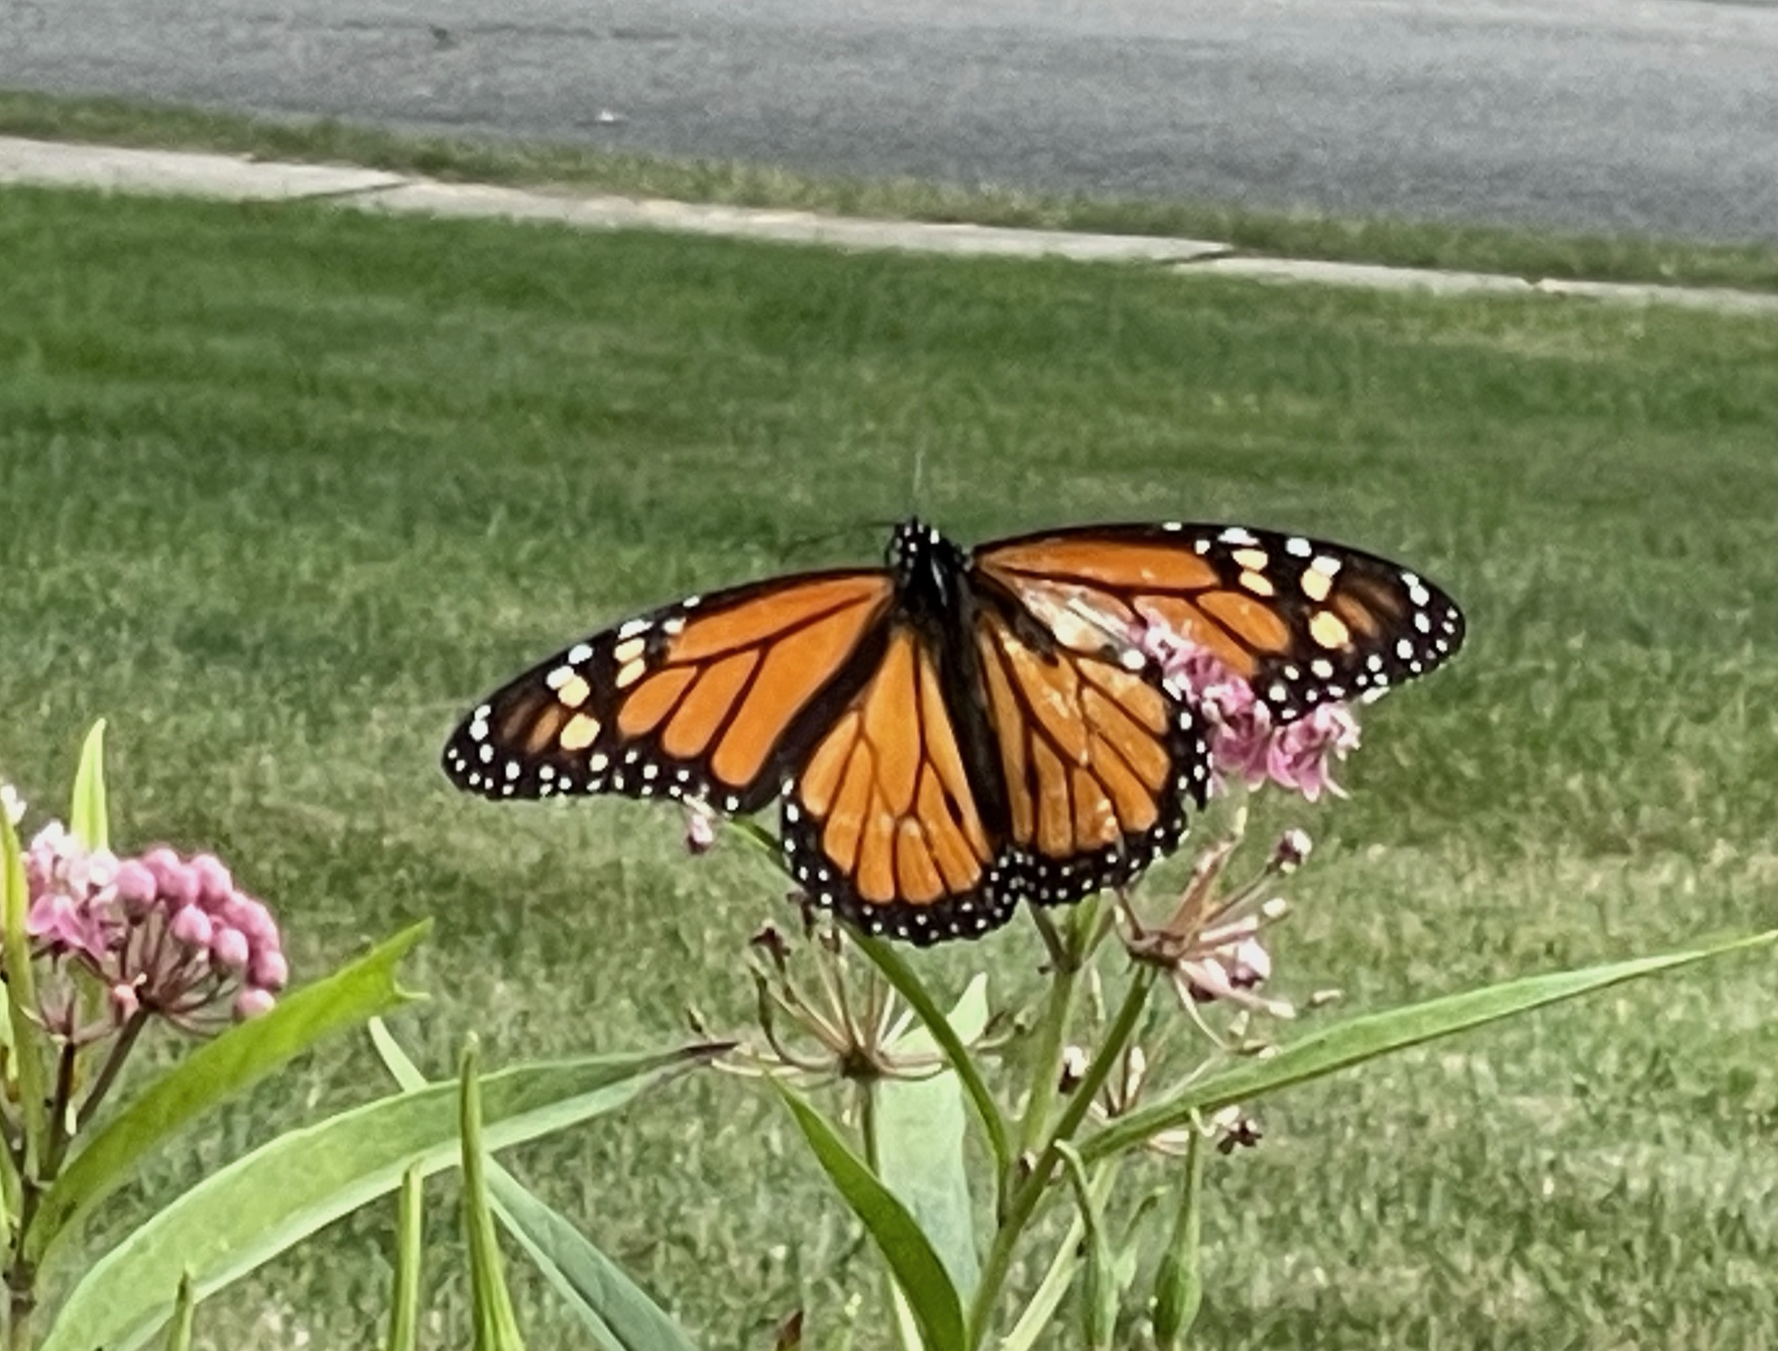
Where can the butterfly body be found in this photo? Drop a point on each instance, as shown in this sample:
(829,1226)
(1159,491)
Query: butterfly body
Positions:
(956,732)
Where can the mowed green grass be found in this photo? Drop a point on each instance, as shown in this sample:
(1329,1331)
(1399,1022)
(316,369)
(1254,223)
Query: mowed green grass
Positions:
(282,490)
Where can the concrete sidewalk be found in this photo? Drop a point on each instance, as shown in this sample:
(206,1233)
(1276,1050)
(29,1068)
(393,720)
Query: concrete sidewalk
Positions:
(235,178)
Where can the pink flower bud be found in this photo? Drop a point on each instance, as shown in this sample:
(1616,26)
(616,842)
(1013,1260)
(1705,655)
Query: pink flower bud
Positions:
(1249,964)
(253,1002)
(177,881)
(215,886)
(268,969)
(192,927)
(252,918)
(124,1002)
(700,828)
(229,947)
(136,887)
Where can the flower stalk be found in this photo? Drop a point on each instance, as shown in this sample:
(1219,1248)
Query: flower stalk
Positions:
(94,948)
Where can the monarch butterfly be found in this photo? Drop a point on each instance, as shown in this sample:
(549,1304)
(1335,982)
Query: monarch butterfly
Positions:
(955,732)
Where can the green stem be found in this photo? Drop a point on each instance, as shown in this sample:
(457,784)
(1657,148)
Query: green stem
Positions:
(67,1061)
(1069,956)
(1040,1309)
(120,1052)
(18,1322)
(1026,1196)
(1110,1054)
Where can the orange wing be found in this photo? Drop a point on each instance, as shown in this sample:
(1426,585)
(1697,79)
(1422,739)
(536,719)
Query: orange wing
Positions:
(884,825)
(1098,759)
(1301,620)
(712,699)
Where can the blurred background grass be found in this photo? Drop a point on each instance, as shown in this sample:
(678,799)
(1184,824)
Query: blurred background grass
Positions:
(282,490)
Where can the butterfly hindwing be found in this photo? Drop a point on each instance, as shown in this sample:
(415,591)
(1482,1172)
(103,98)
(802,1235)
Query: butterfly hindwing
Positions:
(884,824)
(1097,755)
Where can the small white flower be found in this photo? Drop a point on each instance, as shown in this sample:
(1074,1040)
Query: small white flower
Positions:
(11,803)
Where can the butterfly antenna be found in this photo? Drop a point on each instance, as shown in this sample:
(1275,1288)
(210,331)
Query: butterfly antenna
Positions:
(802,545)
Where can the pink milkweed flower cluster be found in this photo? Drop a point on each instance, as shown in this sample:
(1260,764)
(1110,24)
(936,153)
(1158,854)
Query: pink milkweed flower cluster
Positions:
(165,934)
(1245,742)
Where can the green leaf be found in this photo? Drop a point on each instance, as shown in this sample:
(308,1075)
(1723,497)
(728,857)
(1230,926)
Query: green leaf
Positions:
(614,1308)
(87,820)
(284,1191)
(1099,1286)
(918,1126)
(908,985)
(1365,1038)
(490,1302)
(210,1075)
(185,1308)
(21,1006)
(404,1296)
(1038,1315)
(916,1266)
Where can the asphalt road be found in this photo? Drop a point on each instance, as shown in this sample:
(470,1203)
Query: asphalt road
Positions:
(1647,116)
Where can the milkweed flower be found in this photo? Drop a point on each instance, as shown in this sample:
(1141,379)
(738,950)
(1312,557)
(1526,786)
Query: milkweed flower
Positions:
(166,935)
(1212,945)
(1246,742)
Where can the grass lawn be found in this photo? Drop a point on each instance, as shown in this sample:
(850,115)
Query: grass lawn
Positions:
(1294,234)
(283,489)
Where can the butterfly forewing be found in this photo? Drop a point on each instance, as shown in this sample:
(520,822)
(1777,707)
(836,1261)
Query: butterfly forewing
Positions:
(1302,621)
(706,699)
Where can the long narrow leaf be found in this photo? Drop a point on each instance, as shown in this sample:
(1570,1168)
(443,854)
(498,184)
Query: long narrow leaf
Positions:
(185,1308)
(1364,1038)
(213,1073)
(616,1310)
(21,1001)
(305,1179)
(919,1145)
(917,1269)
(612,1306)
(1036,1317)
(404,1297)
(88,821)
(496,1325)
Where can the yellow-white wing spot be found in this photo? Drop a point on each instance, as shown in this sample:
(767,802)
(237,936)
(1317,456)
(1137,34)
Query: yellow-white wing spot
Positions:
(1258,584)
(627,651)
(579,732)
(1254,560)
(630,673)
(1316,585)
(1328,629)
(573,692)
